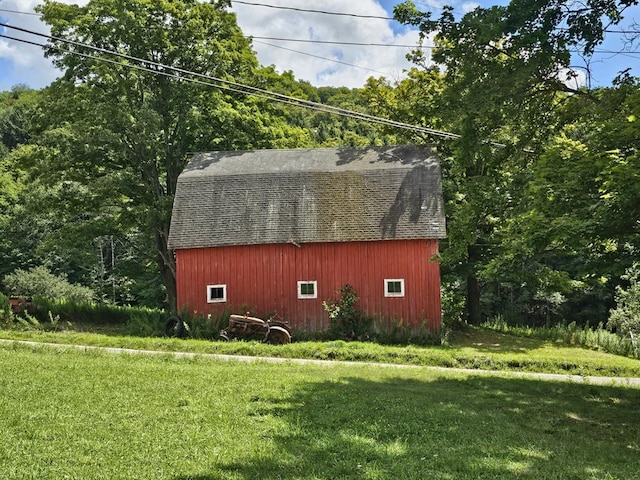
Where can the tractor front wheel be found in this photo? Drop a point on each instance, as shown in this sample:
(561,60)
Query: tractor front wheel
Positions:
(278,336)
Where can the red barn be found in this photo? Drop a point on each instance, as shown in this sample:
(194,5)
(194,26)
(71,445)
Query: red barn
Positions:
(283,230)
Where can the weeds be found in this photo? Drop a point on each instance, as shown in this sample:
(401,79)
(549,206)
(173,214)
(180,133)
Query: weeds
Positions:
(597,338)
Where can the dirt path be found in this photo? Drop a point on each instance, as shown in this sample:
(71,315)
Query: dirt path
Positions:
(552,377)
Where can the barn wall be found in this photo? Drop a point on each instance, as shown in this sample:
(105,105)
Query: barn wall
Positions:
(262,279)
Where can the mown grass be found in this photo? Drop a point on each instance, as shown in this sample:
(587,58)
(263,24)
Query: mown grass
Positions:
(474,348)
(90,415)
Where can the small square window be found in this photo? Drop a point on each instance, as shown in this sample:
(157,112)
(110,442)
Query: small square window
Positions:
(308,289)
(216,293)
(394,287)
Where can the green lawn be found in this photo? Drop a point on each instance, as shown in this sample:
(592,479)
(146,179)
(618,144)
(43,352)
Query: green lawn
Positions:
(70,414)
(476,348)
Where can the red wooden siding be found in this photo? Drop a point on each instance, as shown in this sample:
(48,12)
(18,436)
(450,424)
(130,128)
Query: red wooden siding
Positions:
(264,279)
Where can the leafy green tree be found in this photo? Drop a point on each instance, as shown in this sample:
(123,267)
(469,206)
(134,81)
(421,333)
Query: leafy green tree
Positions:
(625,318)
(507,79)
(16,110)
(123,134)
(576,230)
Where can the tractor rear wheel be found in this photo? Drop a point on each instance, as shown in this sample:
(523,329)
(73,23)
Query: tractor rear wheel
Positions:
(174,327)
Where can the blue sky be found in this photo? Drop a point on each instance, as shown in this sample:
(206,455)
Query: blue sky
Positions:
(320,64)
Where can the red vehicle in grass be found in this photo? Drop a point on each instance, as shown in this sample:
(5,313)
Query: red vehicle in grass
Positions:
(21,305)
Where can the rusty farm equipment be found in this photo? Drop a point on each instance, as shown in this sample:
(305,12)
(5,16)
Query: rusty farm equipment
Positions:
(241,327)
(244,327)
(21,305)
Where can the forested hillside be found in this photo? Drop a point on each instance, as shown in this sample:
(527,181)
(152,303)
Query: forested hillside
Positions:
(541,175)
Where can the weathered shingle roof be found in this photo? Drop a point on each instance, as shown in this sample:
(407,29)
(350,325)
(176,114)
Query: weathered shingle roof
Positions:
(308,195)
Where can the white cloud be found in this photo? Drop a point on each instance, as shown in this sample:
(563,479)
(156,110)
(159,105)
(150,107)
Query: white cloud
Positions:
(467,7)
(572,77)
(339,64)
(21,62)
(320,64)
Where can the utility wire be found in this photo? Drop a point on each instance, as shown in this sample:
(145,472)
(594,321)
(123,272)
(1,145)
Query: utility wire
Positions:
(291,40)
(19,13)
(320,57)
(291,101)
(313,11)
(330,42)
(176,76)
(302,40)
(607,30)
(228,84)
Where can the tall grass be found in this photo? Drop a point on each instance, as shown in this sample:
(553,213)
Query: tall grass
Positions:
(95,313)
(147,322)
(56,314)
(597,338)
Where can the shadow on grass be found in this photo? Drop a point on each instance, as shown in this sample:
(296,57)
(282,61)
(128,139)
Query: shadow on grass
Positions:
(496,342)
(445,429)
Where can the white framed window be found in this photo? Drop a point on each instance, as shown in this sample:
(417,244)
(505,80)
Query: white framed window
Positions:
(308,289)
(394,287)
(216,293)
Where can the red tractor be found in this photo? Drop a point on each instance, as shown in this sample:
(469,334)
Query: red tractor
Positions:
(22,305)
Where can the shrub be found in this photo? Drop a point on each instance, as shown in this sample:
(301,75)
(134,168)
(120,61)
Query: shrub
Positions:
(40,282)
(145,322)
(453,305)
(572,334)
(6,315)
(345,319)
(625,318)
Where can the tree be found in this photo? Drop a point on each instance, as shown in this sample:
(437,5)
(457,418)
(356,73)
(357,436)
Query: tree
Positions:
(16,110)
(124,133)
(625,318)
(506,81)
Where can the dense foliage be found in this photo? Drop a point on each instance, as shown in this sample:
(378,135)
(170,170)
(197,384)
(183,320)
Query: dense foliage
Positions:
(542,187)
(40,282)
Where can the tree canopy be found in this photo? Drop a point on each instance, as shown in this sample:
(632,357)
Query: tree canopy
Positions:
(134,117)
(540,174)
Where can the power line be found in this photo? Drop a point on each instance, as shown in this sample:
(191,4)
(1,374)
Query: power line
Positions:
(364,44)
(18,12)
(228,84)
(292,40)
(607,30)
(321,42)
(320,57)
(331,42)
(314,11)
(149,70)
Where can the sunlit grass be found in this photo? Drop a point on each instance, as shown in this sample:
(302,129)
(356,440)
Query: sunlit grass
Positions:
(91,415)
(475,348)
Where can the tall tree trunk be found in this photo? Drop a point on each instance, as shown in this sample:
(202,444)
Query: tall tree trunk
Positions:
(473,300)
(167,266)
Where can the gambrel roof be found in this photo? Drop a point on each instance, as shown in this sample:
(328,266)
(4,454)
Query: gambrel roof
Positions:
(308,195)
